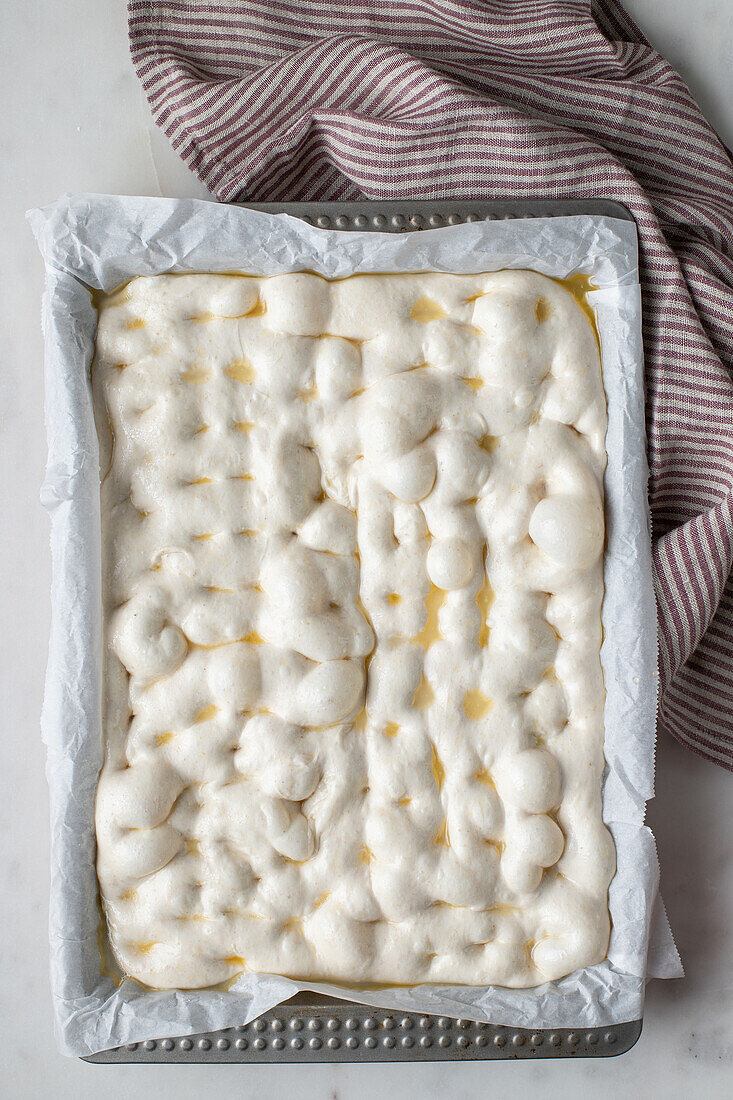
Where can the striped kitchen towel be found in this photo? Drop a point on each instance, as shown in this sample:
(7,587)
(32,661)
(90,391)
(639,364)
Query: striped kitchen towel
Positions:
(303,99)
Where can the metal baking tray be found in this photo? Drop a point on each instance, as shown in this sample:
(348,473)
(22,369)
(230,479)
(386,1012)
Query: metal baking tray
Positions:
(393,216)
(311,1027)
(314,1028)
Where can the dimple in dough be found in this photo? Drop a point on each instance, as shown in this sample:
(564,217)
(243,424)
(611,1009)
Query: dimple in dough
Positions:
(353,548)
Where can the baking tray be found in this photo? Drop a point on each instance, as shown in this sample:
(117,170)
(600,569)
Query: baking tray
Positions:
(311,1027)
(391,216)
(314,1028)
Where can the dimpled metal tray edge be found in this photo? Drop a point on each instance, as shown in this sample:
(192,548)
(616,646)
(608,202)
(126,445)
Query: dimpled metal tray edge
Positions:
(394,216)
(314,1028)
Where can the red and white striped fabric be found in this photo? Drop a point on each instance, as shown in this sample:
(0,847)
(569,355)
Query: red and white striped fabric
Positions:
(301,99)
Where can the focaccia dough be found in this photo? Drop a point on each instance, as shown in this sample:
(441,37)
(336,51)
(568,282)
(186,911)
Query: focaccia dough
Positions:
(353,571)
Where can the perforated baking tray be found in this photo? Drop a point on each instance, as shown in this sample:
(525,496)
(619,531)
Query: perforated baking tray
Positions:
(314,1028)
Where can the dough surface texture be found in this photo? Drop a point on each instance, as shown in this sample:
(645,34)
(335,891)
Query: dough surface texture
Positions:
(352,574)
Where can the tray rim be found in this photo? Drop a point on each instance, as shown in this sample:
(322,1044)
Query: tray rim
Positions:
(316,1029)
(396,215)
(495,1041)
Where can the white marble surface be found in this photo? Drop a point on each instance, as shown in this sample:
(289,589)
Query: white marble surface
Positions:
(74,118)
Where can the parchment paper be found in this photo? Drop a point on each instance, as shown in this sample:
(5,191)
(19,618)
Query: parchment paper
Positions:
(97,241)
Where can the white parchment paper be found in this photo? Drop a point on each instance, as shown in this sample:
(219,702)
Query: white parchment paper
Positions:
(98,241)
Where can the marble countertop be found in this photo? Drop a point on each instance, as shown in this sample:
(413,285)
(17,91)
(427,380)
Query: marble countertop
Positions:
(75,119)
